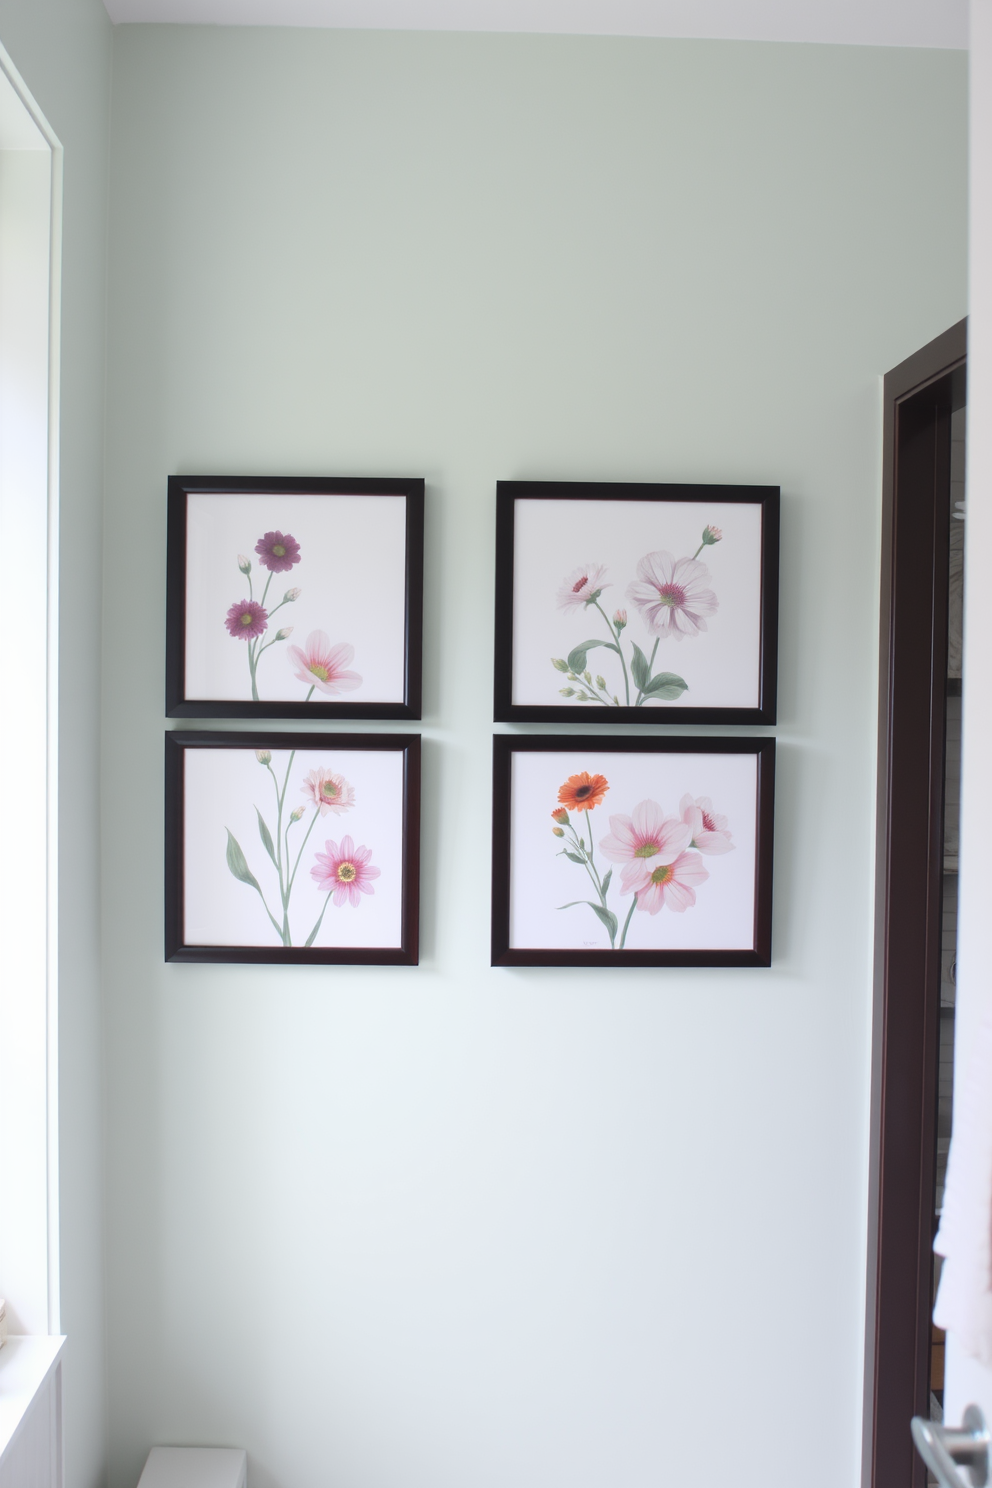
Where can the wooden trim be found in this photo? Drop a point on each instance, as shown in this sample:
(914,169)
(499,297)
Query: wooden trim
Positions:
(919,397)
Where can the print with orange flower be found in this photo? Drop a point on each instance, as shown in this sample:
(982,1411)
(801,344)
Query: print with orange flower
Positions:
(583,791)
(661,855)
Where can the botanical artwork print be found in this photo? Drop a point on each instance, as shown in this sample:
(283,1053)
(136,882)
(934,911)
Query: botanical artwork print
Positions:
(320,665)
(660,857)
(341,868)
(294,597)
(673,598)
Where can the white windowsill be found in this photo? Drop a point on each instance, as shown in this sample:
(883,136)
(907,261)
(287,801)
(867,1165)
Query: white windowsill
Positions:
(26,1361)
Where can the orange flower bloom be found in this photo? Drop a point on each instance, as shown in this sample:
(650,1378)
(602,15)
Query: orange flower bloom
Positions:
(583,792)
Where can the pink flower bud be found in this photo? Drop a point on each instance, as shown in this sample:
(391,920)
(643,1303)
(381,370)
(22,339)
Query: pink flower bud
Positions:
(285,633)
(264,756)
(619,619)
(244,563)
(291,595)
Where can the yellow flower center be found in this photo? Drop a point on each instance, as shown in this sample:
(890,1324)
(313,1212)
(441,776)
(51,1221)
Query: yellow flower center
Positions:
(328,788)
(318,671)
(279,550)
(662,875)
(347,872)
(247,617)
(647,850)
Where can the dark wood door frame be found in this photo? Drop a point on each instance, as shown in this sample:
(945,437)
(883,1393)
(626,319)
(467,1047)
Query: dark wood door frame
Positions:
(920,395)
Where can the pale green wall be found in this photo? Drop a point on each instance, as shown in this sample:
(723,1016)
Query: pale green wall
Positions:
(453,1227)
(63,50)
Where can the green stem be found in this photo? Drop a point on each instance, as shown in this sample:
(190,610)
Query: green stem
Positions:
(265,648)
(313,933)
(633,906)
(698,551)
(285,892)
(614,632)
(286,781)
(587,863)
(313,821)
(265,590)
(654,653)
(275,922)
(282,883)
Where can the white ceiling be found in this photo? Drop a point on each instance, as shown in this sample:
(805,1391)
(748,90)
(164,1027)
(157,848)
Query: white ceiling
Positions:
(918,23)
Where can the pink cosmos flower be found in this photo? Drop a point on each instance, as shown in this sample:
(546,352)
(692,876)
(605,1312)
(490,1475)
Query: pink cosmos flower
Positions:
(708,830)
(247,620)
(581,585)
(673,884)
(330,792)
(346,872)
(672,595)
(643,841)
(278,551)
(323,665)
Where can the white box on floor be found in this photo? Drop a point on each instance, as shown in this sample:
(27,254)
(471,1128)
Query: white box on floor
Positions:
(195,1467)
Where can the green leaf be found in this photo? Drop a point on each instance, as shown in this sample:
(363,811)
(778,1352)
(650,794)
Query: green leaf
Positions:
(577,658)
(238,863)
(606,881)
(608,918)
(666,685)
(574,857)
(265,835)
(639,668)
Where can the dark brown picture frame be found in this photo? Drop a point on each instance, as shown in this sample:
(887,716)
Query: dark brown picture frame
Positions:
(506,745)
(181,487)
(177,744)
(505,710)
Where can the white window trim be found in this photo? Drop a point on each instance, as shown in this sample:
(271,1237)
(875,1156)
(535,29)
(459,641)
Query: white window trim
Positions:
(31,164)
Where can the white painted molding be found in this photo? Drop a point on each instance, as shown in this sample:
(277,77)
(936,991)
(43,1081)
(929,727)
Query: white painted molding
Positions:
(31,1413)
(910,23)
(30,278)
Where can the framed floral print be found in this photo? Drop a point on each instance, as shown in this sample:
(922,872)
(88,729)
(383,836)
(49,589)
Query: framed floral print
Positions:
(292,848)
(294,597)
(634,603)
(632,851)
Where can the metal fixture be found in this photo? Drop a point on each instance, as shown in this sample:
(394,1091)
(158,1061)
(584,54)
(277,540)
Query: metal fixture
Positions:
(944,1448)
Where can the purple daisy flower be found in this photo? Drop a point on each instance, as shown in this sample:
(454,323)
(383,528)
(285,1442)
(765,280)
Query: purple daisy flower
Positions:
(278,551)
(247,620)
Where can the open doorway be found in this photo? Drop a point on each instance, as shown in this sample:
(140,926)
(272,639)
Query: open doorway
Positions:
(916,893)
